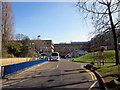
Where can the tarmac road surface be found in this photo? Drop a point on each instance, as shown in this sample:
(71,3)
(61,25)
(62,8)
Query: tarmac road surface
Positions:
(52,74)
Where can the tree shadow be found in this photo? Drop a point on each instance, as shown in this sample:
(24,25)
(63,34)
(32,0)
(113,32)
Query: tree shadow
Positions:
(73,70)
(112,66)
(112,75)
(55,87)
(47,88)
(55,75)
(62,85)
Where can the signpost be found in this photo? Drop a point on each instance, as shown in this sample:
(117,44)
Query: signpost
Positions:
(101,55)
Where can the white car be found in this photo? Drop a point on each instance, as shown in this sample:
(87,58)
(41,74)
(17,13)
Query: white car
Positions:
(55,56)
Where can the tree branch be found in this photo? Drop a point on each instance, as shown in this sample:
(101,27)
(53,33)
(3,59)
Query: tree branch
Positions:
(83,6)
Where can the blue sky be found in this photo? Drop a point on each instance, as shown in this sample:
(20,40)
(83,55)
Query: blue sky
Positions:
(57,21)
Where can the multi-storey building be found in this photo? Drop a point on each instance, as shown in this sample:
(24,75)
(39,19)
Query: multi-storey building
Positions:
(43,46)
(47,47)
(104,39)
(68,48)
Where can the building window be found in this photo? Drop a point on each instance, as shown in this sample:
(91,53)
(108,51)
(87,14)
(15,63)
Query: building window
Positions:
(3,5)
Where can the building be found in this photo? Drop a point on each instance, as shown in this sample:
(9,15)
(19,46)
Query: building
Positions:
(71,48)
(74,48)
(43,46)
(104,39)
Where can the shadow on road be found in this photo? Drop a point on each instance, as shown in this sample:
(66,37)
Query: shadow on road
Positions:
(73,70)
(74,83)
(56,87)
(38,76)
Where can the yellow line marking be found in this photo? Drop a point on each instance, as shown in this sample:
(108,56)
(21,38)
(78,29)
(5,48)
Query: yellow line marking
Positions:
(42,63)
(91,74)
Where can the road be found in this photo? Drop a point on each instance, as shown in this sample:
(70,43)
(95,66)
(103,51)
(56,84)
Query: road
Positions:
(52,74)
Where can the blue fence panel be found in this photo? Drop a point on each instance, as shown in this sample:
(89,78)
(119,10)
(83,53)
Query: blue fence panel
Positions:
(12,68)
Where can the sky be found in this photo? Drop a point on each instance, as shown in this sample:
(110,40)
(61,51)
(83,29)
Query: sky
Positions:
(57,21)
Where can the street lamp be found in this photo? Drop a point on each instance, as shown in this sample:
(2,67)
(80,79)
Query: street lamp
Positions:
(40,50)
(38,37)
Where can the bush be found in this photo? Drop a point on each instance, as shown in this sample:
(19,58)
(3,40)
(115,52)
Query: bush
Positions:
(10,56)
(4,52)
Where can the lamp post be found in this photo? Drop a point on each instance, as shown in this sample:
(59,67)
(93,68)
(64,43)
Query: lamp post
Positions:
(37,47)
(38,37)
(40,49)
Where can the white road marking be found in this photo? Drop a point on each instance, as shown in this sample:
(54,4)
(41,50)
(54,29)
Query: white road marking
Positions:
(92,85)
(53,68)
(58,63)
(93,78)
(61,75)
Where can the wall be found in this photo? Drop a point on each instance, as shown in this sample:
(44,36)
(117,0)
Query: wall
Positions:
(12,68)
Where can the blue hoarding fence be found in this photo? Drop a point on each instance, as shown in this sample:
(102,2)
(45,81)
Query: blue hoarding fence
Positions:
(12,68)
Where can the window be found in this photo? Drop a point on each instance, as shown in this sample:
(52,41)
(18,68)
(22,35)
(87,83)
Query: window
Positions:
(54,54)
(3,5)
(6,14)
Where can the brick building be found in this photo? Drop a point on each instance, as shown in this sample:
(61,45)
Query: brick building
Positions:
(43,46)
(68,48)
(104,39)
(48,46)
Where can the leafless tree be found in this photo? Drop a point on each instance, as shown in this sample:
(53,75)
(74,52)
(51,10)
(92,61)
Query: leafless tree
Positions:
(7,22)
(0,29)
(104,14)
(20,37)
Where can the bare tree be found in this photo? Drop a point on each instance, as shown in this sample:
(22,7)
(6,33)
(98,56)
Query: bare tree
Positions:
(0,29)
(7,22)
(20,37)
(104,16)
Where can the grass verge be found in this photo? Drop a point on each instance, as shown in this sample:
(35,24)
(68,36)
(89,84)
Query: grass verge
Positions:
(109,73)
(92,57)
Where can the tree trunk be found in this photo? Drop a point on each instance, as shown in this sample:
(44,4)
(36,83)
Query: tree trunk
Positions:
(114,36)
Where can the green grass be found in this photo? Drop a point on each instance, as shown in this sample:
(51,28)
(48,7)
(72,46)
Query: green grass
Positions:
(109,72)
(92,57)
(107,68)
